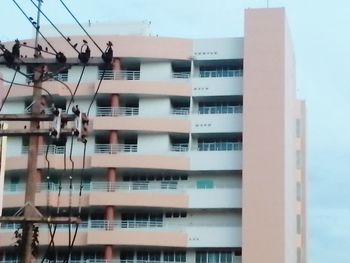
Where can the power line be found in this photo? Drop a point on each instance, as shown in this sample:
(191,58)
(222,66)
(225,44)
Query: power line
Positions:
(98,87)
(76,20)
(49,20)
(35,26)
(76,88)
(8,91)
(25,85)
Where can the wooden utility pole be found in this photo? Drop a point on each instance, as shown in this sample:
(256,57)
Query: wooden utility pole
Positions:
(27,234)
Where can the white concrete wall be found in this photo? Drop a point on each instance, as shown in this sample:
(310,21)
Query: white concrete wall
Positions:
(154,106)
(216,123)
(217,86)
(216,160)
(210,218)
(14,146)
(155,70)
(153,143)
(13,107)
(214,237)
(215,198)
(8,73)
(219,48)
(90,74)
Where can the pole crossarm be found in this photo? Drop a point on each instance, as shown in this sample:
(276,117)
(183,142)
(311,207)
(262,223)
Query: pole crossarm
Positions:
(28,132)
(43,220)
(30,117)
(47,61)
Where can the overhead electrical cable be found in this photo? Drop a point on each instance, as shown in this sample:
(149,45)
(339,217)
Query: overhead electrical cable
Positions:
(54,26)
(8,90)
(76,88)
(25,85)
(35,26)
(96,92)
(76,20)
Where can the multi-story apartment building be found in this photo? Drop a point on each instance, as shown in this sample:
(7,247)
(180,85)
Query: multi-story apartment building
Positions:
(196,152)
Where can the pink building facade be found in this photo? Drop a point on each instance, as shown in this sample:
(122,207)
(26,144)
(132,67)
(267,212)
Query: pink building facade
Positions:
(196,152)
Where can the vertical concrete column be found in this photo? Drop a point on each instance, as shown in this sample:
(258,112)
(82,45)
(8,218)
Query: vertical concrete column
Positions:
(43,105)
(38,179)
(117,64)
(108,253)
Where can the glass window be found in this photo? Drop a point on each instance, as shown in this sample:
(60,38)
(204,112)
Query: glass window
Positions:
(205,184)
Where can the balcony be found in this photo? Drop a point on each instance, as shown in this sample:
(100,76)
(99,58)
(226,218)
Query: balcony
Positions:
(219,146)
(116,232)
(221,73)
(179,147)
(221,109)
(52,149)
(119,75)
(116,111)
(115,148)
(181,75)
(174,194)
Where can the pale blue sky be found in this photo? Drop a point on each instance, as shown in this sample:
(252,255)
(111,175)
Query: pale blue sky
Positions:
(320,31)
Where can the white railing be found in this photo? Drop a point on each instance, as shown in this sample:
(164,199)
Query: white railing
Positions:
(219,109)
(53,149)
(219,146)
(119,75)
(181,75)
(139,186)
(60,77)
(179,147)
(180,111)
(221,73)
(115,148)
(121,224)
(85,260)
(117,111)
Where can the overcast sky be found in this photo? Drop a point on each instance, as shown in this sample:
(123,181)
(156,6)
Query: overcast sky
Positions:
(320,31)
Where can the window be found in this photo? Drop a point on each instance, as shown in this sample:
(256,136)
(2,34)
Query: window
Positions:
(205,184)
(213,257)
(299,191)
(175,214)
(298,224)
(139,220)
(148,255)
(174,256)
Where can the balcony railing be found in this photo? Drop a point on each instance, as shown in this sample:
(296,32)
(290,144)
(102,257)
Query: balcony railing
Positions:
(85,260)
(117,111)
(219,146)
(53,149)
(115,148)
(221,73)
(219,109)
(180,111)
(119,75)
(158,186)
(181,75)
(179,147)
(153,225)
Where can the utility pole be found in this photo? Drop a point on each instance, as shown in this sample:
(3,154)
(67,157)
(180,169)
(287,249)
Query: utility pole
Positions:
(27,234)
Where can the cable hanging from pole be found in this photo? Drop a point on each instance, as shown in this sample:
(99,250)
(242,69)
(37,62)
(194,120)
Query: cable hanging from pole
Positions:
(76,89)
(70,248)
(98,87)
(28,86)
(9,89)
(52,233)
